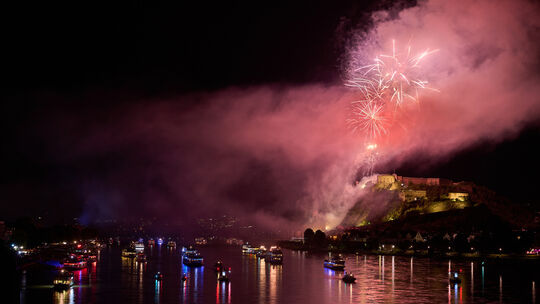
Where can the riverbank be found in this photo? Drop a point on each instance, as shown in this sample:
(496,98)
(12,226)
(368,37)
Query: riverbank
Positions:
(409,253)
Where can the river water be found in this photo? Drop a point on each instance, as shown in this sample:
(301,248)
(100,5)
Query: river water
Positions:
(301,279)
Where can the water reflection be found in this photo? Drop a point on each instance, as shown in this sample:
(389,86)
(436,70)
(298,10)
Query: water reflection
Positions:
(223,292)
(533,292)
(302,278)
(63,296)
(158,288)
(275,281)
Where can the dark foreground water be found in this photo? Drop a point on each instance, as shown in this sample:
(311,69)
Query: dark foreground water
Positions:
(301,279)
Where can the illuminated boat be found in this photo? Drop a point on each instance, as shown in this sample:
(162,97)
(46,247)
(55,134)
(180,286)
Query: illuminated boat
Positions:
(141,257)
(74,263)
(454,279)
(248,249)
(218,266)
(90,257)
(129,253)
(171,244)
(64,280)
(223,275)
(138,246)
(261,252)
(192,257)
(151,242)
(158,276)
(274,256)
(337,263)
(348,278)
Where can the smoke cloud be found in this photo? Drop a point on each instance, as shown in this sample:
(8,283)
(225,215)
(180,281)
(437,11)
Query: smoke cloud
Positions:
(283,155)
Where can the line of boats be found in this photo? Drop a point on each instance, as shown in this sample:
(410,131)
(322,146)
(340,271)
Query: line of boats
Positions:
(274,255)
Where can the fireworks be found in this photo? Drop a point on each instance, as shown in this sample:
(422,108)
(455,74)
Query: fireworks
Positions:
(386,85)
(369,117)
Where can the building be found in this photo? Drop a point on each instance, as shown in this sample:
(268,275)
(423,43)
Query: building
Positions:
(430,181)
(412,195)
(458,196)
(387,181)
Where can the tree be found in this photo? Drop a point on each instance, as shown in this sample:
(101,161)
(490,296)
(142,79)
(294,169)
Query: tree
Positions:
(319,239)
(309,235)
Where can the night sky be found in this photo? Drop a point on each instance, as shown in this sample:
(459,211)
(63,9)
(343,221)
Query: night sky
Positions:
(70,72)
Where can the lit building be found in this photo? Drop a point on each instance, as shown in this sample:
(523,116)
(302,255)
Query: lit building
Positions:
(458,196)
(412,195)
(430,181)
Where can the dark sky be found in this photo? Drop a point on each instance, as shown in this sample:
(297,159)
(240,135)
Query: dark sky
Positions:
(86,61)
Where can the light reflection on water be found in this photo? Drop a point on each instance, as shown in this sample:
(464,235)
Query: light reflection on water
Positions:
(301,279)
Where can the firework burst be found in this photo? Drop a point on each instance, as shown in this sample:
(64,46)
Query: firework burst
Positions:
(388,83)
(368,117)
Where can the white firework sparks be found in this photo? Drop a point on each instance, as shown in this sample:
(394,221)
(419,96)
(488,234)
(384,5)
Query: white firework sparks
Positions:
(394,78)
(368,116)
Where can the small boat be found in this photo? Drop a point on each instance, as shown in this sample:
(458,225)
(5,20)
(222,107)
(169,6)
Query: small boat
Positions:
(91,257)
(74,264)
(129,253)
(218,266)
(454,279)
(223,276)
(158,276)
(184,277)
(64,280)
(248,249)
(151,242)
(141,257)
(336,263)
(274,256)
(348,278)
(138,246)
(261,252)
(171,244)
(192,257)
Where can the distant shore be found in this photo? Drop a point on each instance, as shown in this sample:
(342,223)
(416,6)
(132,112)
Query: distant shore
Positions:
(409,253)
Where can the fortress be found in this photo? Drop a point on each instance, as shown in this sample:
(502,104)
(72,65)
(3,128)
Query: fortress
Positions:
(415,188)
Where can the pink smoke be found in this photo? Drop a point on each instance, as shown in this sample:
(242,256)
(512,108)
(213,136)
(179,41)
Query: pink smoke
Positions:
(285,156)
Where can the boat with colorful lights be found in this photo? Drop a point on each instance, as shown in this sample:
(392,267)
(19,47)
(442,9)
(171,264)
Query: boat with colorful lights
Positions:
(64,280)
(191,257)
(335,263)
(274,255)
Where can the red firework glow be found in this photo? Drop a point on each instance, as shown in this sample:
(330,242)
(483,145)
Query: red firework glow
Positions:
(386,85)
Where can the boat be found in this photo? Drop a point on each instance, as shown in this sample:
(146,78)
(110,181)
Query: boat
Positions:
(151,242)
(184,276)
(129,253)
(141,257)
(74,264)
(274,256)
(261,252)
(218,266)
(91,257)
(64,280)
(158,276)
(192,257)
(223,275)
(454,279)
(348,278)
(336,263)
(171,244)
(248,249)
(138,246)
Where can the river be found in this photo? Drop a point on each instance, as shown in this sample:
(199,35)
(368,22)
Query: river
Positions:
(301,279)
